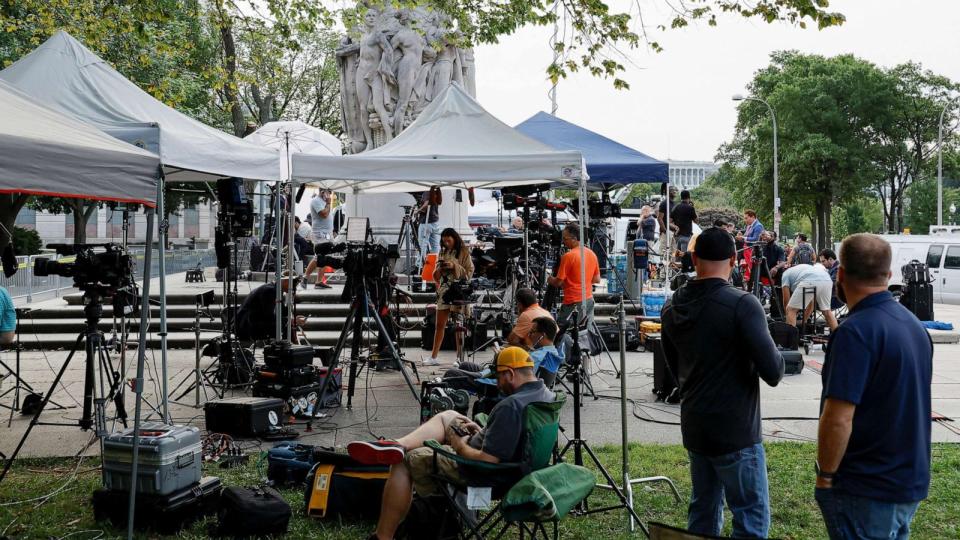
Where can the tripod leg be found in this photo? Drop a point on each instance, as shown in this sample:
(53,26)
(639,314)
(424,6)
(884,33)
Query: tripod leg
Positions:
(396,356)
(335,358)
(613,487)
(43,403)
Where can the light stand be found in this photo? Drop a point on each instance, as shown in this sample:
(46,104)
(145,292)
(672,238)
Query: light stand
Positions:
(200,378)
(19,383)
(579,445)
(624,441)
(407,241)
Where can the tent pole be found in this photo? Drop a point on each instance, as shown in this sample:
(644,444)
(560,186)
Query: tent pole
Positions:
(162,237)
(138,382)
(277,228)
(291,214)
(583,264)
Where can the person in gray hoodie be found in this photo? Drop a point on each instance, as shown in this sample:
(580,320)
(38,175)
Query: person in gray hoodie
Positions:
(715,337)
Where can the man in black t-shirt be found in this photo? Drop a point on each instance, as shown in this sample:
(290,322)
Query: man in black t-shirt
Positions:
(257,316)
(683,216)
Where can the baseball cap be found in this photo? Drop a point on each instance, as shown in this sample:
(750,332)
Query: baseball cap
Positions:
(513,358)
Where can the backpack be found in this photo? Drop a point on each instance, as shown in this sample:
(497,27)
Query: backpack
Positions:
(803,254)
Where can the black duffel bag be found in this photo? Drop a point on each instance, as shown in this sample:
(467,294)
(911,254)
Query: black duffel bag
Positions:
(252,511)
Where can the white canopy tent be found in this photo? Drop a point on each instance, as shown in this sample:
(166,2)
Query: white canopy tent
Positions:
(454,141)
(43,152)
(68,77)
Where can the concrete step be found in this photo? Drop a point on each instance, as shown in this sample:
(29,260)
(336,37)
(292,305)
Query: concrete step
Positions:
(57,326)
(185,340)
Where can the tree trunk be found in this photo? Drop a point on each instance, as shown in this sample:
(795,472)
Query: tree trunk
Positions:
(10,206)
(81,210)
(230,64)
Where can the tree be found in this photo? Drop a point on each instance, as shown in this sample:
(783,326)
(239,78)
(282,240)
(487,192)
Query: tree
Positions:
(905,140)
(827,109)
(10,205)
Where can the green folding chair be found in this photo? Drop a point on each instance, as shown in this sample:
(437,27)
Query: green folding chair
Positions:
(529,493)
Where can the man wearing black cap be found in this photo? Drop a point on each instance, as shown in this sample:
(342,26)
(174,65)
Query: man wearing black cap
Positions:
(716,337)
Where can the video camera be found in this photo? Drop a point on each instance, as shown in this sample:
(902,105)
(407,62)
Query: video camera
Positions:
(368,259)
(460,293)
(104,269)
(598,209)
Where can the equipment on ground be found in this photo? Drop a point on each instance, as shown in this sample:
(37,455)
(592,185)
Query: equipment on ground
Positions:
(917,292)
(169,459)
(289,463)
(437,396)
(164,514)
(251,512)
(244,416)
(792,361)
(340,488)
(785,335)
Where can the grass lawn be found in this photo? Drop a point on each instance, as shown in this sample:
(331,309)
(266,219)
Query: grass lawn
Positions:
(795,514)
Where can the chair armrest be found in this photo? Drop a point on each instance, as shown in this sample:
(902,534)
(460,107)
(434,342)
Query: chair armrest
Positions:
(479,466)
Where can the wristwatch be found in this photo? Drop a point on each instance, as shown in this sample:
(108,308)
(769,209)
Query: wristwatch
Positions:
(823,474)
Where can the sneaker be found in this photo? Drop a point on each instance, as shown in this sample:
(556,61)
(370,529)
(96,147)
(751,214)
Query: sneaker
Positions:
(320,285)
(431,362)
(382,452)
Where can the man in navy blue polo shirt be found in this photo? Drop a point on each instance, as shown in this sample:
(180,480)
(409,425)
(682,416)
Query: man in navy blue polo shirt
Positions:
(873,450)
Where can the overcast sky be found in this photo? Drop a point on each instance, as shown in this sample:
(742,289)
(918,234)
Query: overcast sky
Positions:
(679,103)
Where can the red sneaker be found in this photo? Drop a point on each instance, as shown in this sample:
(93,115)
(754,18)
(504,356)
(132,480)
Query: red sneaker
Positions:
(382,452)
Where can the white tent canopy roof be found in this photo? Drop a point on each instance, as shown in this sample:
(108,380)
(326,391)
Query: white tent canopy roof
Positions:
(43,152)
(303,138)
(66,76)
(455,141)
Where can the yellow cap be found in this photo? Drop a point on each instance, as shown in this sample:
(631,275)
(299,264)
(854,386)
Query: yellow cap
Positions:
(513,358)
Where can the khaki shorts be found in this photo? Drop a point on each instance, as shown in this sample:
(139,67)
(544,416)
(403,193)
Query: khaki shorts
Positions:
(419,462)
(822,296)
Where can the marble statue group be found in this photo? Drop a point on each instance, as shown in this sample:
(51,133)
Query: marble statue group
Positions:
(393,67)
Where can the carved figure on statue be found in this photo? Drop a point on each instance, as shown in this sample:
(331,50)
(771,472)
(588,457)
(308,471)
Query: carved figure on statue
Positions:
(411,45)
(374,72)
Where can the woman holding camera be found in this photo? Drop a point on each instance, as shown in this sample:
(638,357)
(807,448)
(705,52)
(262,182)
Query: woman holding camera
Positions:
(453,264)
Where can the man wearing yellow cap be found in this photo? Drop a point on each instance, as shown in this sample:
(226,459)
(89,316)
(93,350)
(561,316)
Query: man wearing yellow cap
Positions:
(412,464)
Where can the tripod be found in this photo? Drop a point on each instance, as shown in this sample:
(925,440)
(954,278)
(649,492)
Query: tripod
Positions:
(201,379)
(579,445)
(362,308)
(759,268)
(19,384)
(97,359)
(407,240)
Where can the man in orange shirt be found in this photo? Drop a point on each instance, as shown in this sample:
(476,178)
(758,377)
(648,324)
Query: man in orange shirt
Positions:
(568,276)
(529,309)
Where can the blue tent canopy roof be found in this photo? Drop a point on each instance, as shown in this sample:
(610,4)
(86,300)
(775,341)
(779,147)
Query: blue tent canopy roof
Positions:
(607,161)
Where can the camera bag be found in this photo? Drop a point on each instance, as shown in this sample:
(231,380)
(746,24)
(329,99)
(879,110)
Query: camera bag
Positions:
(285,355)
(784,335)
(164,514)
(339,487)
(252,511)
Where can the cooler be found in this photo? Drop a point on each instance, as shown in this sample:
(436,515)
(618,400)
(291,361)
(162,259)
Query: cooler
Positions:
(169,459)
(653,302)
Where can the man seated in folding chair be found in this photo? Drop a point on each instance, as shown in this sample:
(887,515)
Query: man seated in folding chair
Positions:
(412,464)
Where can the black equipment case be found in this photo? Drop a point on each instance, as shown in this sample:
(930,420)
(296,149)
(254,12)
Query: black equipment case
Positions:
(339,487)
(165,514)
(244,416)
(917,294)
(610,334)
(473,339)
(784,335)
(792,361)
(252,512)
(298,376)
(284,355)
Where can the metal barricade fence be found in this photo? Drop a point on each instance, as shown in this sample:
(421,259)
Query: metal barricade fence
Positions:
(25,284)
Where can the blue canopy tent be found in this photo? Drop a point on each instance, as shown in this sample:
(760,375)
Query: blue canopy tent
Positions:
(608,162)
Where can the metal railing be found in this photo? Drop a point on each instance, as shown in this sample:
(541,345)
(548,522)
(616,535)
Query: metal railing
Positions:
(29,286)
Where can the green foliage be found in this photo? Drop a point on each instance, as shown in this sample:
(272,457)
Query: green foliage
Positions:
(26,241)
(710,195)
(921,205)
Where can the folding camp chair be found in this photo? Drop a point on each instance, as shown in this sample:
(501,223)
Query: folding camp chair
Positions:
(530,493)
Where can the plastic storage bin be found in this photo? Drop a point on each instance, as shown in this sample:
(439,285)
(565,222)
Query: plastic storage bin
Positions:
(653,302)
(169,459)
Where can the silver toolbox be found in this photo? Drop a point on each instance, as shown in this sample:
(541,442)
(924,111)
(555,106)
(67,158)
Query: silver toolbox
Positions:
(170,458)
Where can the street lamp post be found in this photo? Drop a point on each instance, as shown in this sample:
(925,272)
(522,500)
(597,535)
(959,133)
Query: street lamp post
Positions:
(940,163)
(776,168)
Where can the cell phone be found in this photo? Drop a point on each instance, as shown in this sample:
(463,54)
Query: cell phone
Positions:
(459,430)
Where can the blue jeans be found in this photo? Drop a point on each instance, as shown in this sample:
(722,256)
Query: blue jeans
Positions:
(428,236)
(741,476)
(848,516)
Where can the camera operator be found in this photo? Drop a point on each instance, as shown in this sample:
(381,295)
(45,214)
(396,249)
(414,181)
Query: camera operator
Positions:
(683,216)
(321,216)
(648,224)
(412,464)
(774,254)
(8,318)
(716,336)
(454,264)
(568,276)
(257,316)
(662,212)
(528,309)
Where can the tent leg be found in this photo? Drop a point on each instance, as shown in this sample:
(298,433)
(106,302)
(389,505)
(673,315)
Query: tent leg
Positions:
(138,382)
(277,265)
(162,237)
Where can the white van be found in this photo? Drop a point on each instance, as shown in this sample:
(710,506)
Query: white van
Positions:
(941,252)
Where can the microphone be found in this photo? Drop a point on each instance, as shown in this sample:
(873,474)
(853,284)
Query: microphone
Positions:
(300,190)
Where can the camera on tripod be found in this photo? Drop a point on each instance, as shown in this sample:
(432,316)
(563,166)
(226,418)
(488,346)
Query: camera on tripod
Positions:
(101,269)
(367,259)
(460,293)
(235,215)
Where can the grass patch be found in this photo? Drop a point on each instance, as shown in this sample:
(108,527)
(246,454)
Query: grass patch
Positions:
(791,477)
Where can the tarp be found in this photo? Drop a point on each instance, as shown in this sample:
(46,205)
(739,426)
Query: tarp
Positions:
(66,76)
(454,141)
(43,152)
(608,161)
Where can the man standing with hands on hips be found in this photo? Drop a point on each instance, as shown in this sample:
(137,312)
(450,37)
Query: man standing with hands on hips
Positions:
(873,443)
